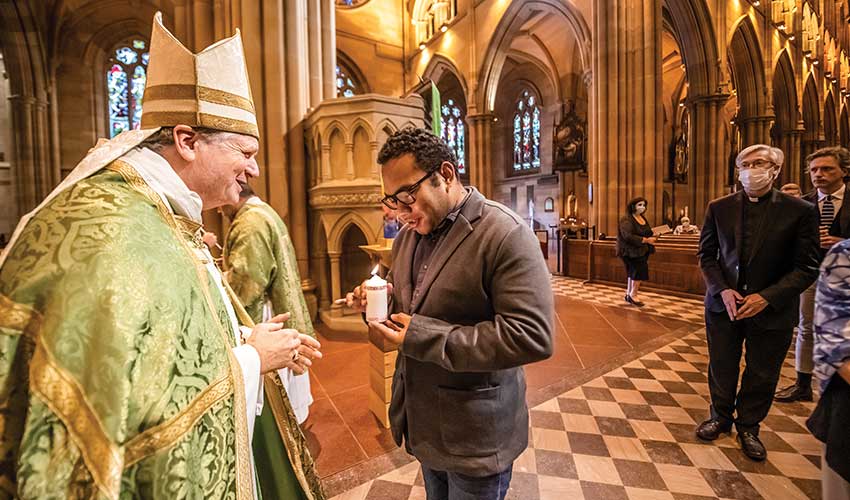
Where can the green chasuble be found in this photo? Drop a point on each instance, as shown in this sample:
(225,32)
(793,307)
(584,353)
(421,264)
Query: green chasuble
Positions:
(261,266)
(117,378)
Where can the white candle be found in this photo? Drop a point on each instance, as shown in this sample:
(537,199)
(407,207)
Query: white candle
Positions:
(376,299)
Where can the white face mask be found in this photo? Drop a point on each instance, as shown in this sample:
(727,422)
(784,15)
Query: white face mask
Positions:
(755,180)
(640,208)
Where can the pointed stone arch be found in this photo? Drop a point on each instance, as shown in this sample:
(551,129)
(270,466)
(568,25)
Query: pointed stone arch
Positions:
(346,62)
(365,125)
(440,67)
(811,127)
(512,21)
(748,76)
(382,132)
(692,21)
(830,120)
(339,228)
(784,134)
(335,126)
(34,158)
(363,149)
(785,92)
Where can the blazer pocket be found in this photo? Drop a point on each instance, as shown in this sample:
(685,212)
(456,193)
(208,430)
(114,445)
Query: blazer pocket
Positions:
(469,423)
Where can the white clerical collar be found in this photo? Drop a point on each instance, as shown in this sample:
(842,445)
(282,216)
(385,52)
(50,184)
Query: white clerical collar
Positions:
(837,195)
(158,174)
(254,201)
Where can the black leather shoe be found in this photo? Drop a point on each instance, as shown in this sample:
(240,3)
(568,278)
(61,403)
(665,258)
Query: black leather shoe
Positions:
(751,446)
(636,302)
(711,429)
(628,299)
(793,393)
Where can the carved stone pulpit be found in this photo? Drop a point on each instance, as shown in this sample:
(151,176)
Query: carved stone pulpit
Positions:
(343,138)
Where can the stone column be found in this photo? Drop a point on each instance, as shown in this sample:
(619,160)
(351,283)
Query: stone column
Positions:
(349,161)
(795,159)
(755,130)
(297,102)
(336,281)
(626,150)
(707,155)
(32,170)
(325,167)
(789,143)
(319,260)
(316,52)
(329,48)
(480,151)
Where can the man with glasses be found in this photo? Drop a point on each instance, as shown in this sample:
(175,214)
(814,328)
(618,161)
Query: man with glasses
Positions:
(827,168)
(473,303)
(758,252)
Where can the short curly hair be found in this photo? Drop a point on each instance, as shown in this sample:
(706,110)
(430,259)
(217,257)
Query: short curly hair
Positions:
(427,149)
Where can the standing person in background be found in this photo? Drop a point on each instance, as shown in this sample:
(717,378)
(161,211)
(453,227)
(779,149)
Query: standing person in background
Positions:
(827,168)
(792,189)
(634,245)
(261,267)
(758,251)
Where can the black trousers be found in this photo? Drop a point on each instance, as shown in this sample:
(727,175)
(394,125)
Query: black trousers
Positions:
(765,351)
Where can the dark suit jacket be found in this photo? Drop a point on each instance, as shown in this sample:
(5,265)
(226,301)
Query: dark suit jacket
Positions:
(486,308)
(784,258)
(630,236)
(841,224)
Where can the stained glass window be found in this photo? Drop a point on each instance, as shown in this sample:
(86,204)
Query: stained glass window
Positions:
(527,133)
(454,133)
(346,85)
(125,85)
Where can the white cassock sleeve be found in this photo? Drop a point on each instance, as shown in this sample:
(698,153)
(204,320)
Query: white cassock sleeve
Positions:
(246,355)
(249,361)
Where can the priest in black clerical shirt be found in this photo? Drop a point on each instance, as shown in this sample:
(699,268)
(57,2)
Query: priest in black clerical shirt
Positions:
(758,252)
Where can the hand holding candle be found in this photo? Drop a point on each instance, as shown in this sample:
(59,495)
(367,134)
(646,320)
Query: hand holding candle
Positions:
(376,298)
(360,298)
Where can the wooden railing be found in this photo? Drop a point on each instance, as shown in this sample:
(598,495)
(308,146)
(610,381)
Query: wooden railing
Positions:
(673,268)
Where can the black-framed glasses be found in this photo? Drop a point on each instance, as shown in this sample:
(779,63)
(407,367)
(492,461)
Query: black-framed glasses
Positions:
(404,196)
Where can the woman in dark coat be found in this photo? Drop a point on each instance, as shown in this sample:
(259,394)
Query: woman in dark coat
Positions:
(634,245)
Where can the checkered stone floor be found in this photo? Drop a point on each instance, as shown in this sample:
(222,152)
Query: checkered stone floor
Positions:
(629,434)
(606,295)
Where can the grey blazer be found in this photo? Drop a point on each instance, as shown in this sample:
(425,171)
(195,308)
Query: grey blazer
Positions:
(486,308)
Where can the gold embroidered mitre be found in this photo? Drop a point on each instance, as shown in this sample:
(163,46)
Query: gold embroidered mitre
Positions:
(209,89)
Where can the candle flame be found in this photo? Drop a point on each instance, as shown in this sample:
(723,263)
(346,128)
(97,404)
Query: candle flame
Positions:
(376,269)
